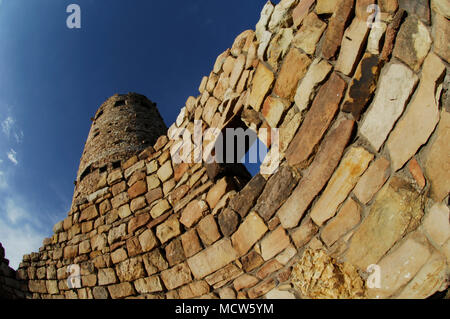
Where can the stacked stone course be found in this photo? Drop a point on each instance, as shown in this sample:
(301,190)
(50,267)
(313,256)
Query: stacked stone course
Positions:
(363,122)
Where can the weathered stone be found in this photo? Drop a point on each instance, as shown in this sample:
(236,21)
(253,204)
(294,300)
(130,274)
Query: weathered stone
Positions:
(362,86)
(248,233)
(263,44)
(207,230)
(228,221)
(416,173)
(212,258)
(165,171)
(242,42)
(98,242)
(442,7)
(191,243)
(245,281)
(348,217)
(137,222)
(319,276)
(133,247)
(317,175)
(106,276)
(303,234)
(286,255)
(431,277)
(263,79)
(138,188)
(223,276)
(114,176)
(274,243)
(129,171)
(309,34)
(436,223)
(38,286)
(376,35)
(174,252)
(336,27)
(278,46)
(280,15)
(100,293)
(420,8)
(413,43)
(160,208)
(130,269)
(316,122)
(168,230)
(402,264)
(118,255)
(89,213)
(261,288)
(273,109)
(395,86)
(252,261)
(154,195)
(148,285)
(344,179)
(388,5)
(437,162)
(372,180)
(193,212)
(70,251)
(147,240)
(325,6)
(237,70)
(441,29)
(154,262)
(268,268)
(301,11)
(363,10)
(220,60)
(422,114)
(176,276)
(120,200)
(352,45)
(391,35)
(248,195)
(317,72)
(122,290)
(116,233)
(124,211)
(277,189)
(396,209)
(294,67)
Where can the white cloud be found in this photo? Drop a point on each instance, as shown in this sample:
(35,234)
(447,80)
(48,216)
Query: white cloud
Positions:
(3,182)
(19,231)
(12,156)
(7,125)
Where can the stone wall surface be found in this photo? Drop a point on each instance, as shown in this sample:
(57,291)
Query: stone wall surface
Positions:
(358,207)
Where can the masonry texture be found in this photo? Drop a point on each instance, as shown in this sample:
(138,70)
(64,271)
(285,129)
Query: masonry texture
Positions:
(358,207)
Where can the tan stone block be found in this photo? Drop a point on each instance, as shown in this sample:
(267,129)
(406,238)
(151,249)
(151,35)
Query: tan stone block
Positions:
(221,277)
(212,258)
(344,179)
(130,269)
(397,208)
(441,28)
(437,162)
(124,211)
(261,288)
(137,222)
(114,176)
(165,171)
(436,223)
(274,243)
(294,67)
(153,181)
(193,212)
(309,34)
(372,180)
(88,213)
(148,285)
(416,172)
(133,246)
(191,243)
(138,188)
(250,231)
(273,109)
(120,200)
(153,195)
(168,230)
(413,42)
(147,240)
(70,251)
(402,264)
(268,268)
(160,208)
(348,217)
(351,47)
(216,192)
(220,60)
(207,230)
(252,260)
(174,252)
(138,203)
(122,290)
(325,6)
(262,82)
(245,281)
(176,276)
(317,121)
(118,255)
(106,276)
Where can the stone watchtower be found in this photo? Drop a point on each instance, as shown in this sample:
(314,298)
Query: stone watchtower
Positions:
(124,125)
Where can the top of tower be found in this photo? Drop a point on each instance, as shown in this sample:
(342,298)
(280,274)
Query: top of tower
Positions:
(124,125)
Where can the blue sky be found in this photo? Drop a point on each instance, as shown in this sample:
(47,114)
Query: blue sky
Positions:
(53,79)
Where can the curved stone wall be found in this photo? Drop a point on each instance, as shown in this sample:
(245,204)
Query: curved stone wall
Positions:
(358,207)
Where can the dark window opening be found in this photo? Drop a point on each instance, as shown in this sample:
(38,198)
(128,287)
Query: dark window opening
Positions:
(116,164)
(102,169)
(85,173)
(119,103)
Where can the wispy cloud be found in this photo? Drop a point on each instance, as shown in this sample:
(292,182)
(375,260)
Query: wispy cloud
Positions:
(12,156)
(7,125)
(11,130)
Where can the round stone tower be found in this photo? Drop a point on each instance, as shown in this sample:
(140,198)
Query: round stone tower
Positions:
(124,125)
